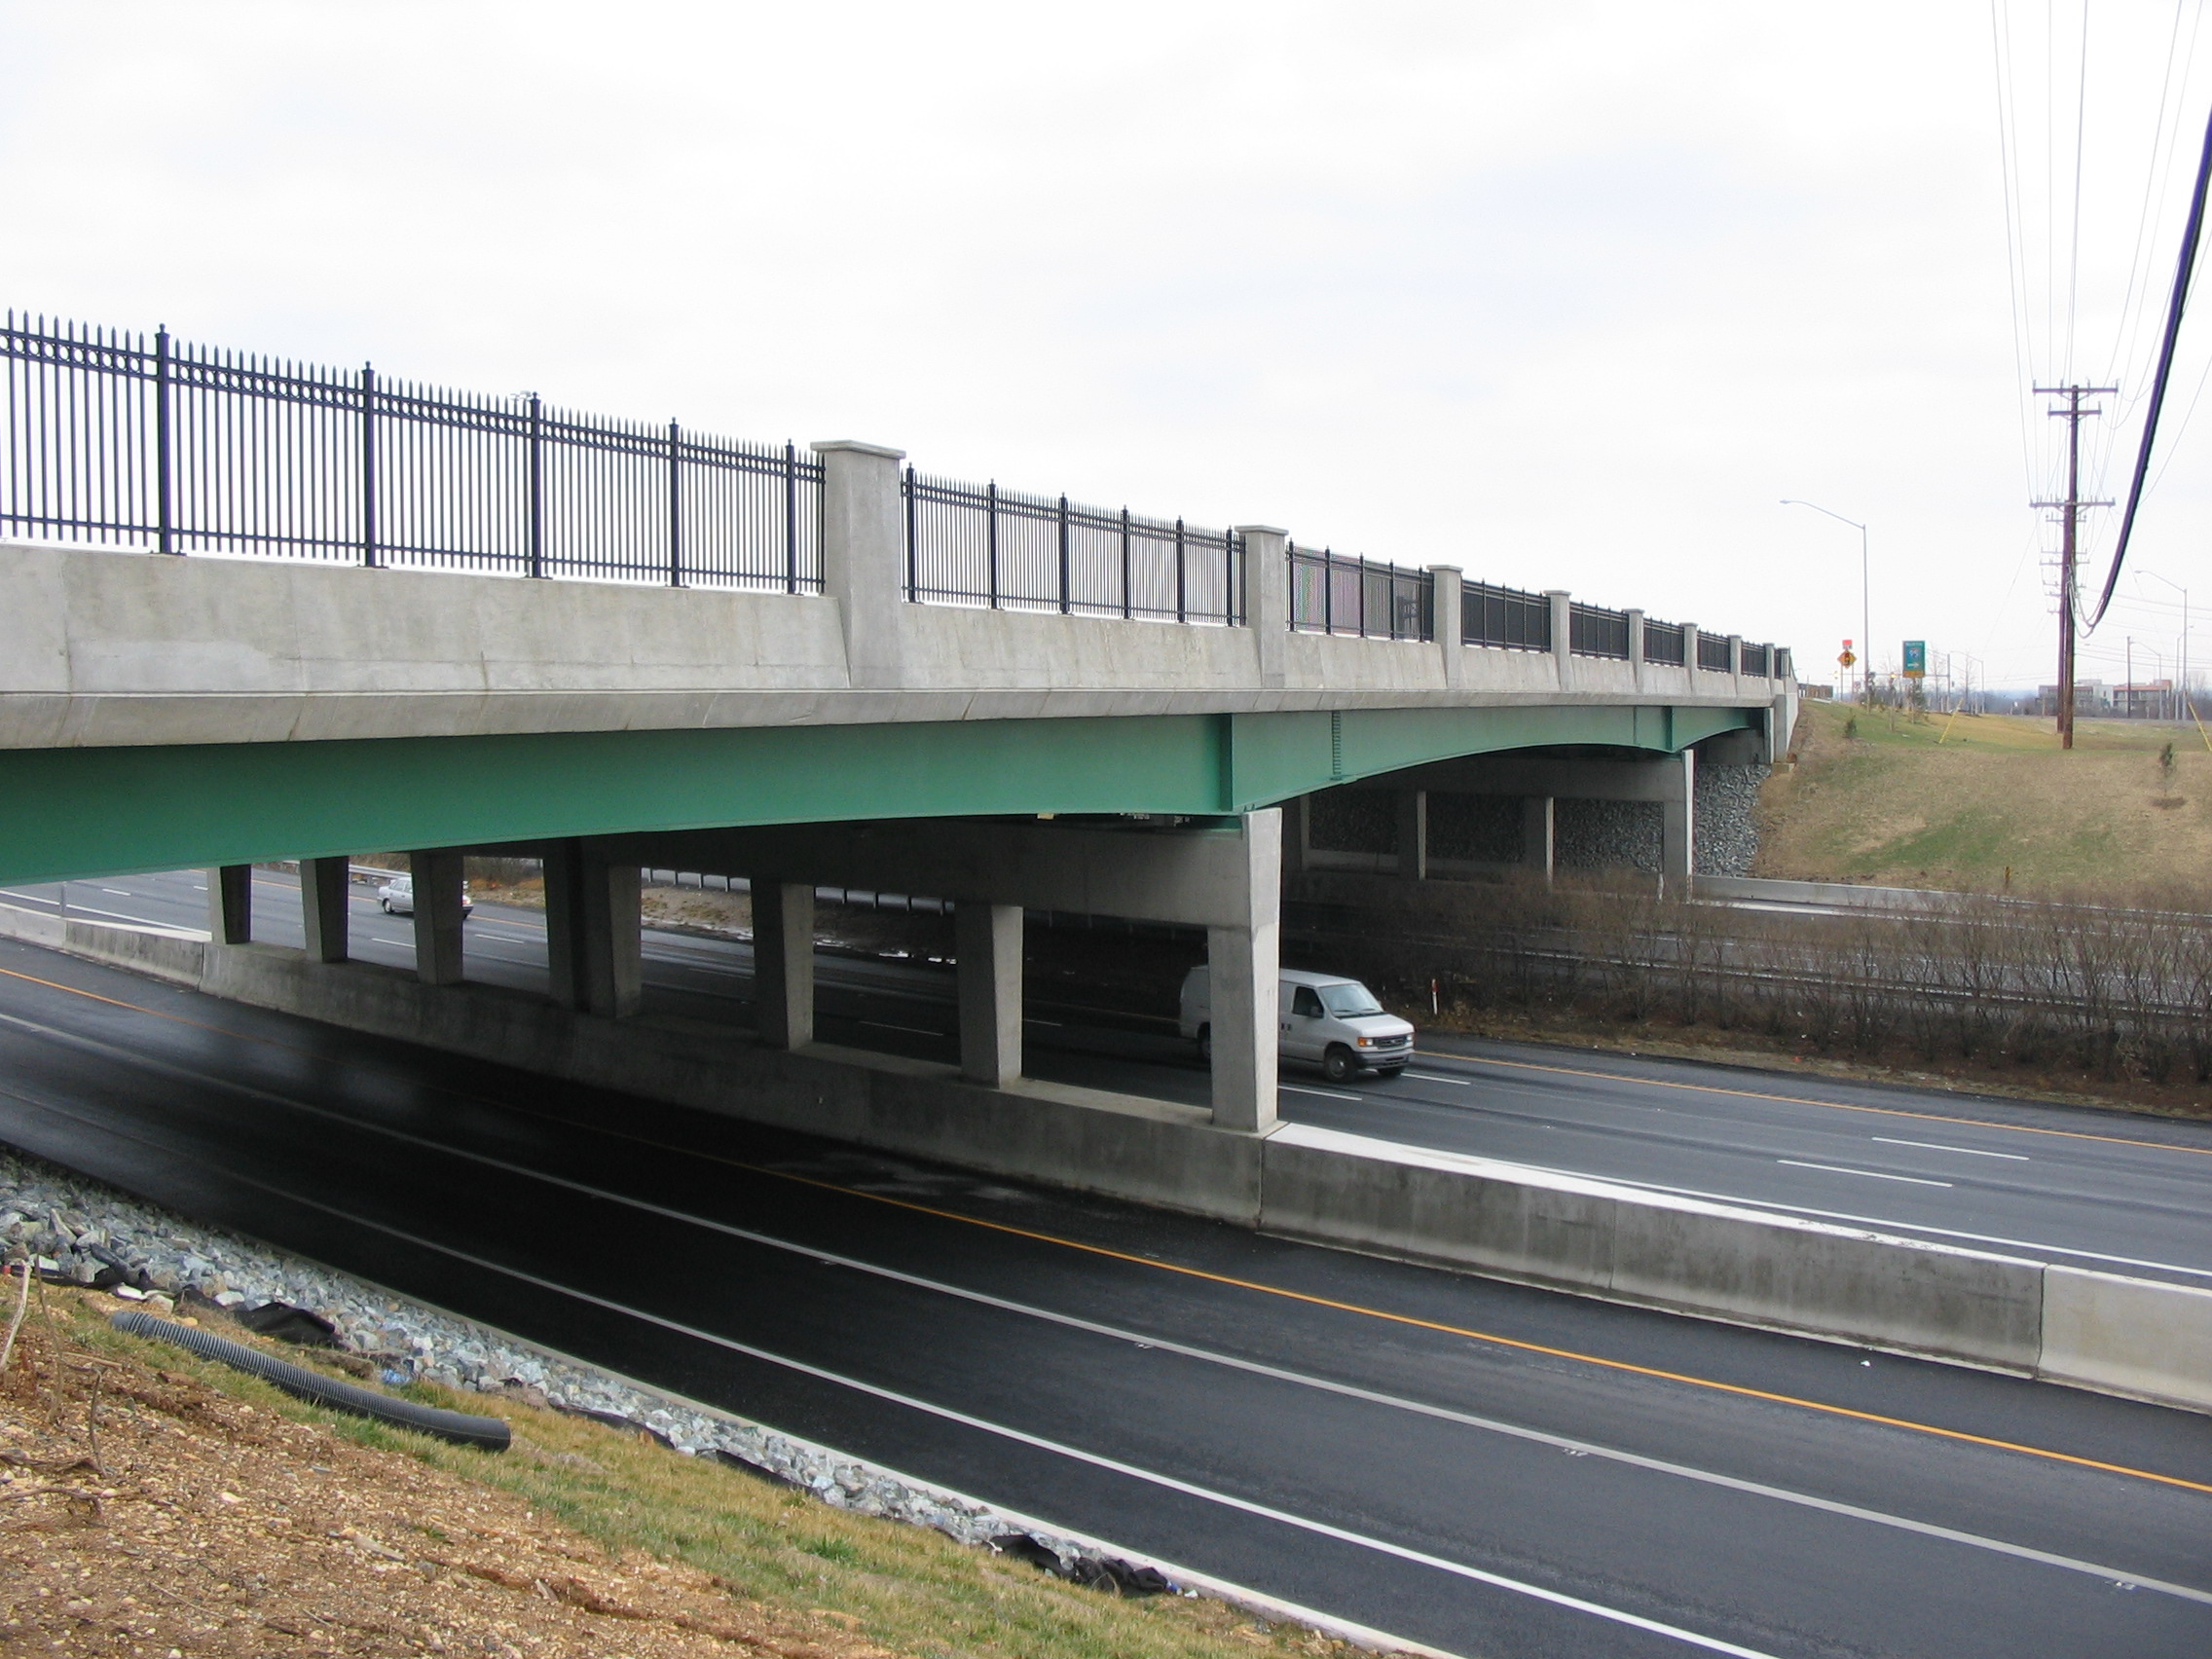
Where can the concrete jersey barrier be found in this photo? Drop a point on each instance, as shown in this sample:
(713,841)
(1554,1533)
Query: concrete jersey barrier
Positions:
(2138,1337)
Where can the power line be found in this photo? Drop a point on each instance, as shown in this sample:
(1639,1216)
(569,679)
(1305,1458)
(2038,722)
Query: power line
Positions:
(2184,268)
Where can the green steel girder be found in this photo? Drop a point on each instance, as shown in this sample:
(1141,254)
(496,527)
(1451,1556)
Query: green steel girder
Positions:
(68,813)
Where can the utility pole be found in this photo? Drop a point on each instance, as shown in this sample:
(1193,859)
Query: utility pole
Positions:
(2070,550)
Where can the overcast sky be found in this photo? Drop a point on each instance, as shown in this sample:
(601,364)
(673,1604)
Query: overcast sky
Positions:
(1572,295)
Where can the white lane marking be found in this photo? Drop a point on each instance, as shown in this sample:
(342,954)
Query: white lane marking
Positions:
(1022,1437)
(910,1030)
(119,891)
(1161,1344)
(1432,1077)
(1870,1174)
(1324,1093)
(1969,1150)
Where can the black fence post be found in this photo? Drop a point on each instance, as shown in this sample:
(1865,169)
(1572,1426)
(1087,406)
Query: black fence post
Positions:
(1182,584)
(1063,555)
(992,539)
(791,516)
(1125,596)
(164,539)
(674,505)
(536,485)
(369,554)
(912,575)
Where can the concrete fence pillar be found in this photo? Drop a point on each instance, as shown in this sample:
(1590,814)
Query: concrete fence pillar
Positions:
(1635,648)
(1736,661)
(1563,635)
(988,940)
(1446,603)
(1413,834)
(594,948)
(1690,652)
(230,904)
(783,962)
(1677,823)
(864,555)
(436,878)
(1266,596)
(1243,965)
(1538,833)
(326,888)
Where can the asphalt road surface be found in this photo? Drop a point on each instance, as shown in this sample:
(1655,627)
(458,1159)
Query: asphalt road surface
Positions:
(2116,1192)
(1487,1468)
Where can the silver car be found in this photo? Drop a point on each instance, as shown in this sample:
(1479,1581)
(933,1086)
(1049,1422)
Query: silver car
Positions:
(398,896)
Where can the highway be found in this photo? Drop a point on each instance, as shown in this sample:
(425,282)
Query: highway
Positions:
(1483,1467)
(2116,1192)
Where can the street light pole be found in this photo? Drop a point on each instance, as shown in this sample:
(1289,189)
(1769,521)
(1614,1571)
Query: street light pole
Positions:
(2183,592)
(1866,597)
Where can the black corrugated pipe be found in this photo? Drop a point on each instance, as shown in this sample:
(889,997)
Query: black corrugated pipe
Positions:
(487,1434)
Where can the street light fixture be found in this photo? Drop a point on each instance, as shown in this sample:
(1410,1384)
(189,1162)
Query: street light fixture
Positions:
(2183,592)
(1866,597)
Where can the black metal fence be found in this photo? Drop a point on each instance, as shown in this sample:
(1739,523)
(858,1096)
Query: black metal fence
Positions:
(979,544)
(1504,618)
(1598,633)
(1335,593)
(185,449)
(157,444)
(1664,643)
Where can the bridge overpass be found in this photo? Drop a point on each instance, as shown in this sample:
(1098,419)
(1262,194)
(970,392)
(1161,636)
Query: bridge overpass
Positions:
(257,612)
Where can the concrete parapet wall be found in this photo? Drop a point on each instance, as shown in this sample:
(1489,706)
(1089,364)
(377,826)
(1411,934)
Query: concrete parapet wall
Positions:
(1652,1248)
(2124,1336)
(105,647)
(2138,1337)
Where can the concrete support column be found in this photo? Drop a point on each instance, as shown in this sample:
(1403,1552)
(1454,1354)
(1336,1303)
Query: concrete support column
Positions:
(325,887)
(1635,648)
(1563,635)
(1413,834)
(864,555)
(438,875)
(988,940)
(230,904)
(1677,822)
(1243,963)
(1538,823)
(1445,610)
(1266,596)
(783,962)
(594,948)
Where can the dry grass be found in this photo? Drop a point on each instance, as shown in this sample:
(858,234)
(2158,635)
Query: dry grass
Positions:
(209,1514)
(1989,803)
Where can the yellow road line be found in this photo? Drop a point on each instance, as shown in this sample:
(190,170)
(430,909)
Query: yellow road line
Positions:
(1258,1287)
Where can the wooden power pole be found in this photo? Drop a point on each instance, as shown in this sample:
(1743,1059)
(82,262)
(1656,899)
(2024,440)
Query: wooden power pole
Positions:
(2070,544)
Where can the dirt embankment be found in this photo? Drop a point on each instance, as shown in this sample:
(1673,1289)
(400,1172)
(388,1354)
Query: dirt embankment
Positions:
(144,1512)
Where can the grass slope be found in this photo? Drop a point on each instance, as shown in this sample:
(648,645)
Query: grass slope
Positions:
(1988,802)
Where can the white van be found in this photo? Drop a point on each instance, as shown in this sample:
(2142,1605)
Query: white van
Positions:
(1325,1020)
